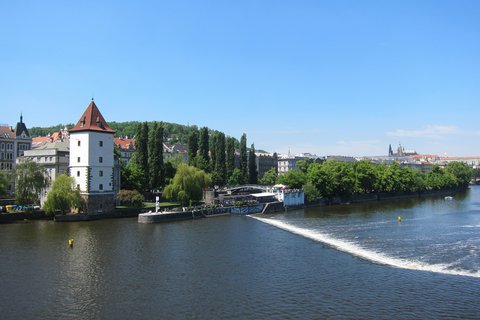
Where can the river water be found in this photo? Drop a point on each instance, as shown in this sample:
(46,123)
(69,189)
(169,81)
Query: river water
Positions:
(343,262)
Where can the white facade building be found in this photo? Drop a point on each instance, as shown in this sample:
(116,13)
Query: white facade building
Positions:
(91,160)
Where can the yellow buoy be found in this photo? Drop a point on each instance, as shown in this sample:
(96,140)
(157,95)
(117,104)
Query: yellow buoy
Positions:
(399,219)
(70,243)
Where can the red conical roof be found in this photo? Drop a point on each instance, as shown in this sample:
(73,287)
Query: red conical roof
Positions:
(92,120)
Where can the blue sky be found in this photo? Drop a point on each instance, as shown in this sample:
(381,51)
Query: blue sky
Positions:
(326,77)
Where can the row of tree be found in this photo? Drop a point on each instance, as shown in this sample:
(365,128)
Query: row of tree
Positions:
(207,150)
(215,153)
(340,179)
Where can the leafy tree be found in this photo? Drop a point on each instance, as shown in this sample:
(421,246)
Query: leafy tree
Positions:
(219,169)
(332,178)
(203,147)
(30,181)
(192,147)
(188,184)
(438,179)
(3,182)
(236,178)
(462,172)
(304,164)
(131,198)
(243,159)
(366,176)
(269,178)
(151,157)
(156,156)
(295,179)
(141,153)
(311,192)
(131,176)
(230,157)
(63,196)
(252,166)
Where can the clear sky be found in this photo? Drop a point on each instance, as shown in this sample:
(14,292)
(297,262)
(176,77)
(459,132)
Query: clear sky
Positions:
(325,77)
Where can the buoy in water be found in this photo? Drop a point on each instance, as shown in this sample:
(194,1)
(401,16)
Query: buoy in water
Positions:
(70,243)
(399,219)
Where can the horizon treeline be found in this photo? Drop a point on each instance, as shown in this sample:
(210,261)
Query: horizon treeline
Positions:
(331,179)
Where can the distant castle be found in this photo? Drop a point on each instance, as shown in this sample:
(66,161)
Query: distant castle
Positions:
(401,152)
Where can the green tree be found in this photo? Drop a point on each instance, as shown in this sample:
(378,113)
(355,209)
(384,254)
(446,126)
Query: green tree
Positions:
(131,176)
(230,157)
(219,175)
(462,172)
(366,176)
(243,159)
(63,196)
(155,154)
(192,147)
(187,185)
(3,182)
(332,178)
(30,181)
(311,192)
(437,179)
(269,178)
(295,179)
(151,157)
(131,198)
(203,148)
(252,166)
(141,154)
(236,178)
(304,164)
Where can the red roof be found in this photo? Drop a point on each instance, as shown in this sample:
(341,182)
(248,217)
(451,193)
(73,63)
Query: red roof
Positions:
(124,143)
(92,120)
(6,133)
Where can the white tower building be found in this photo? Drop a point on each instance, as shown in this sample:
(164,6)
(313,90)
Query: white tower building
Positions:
(91,160)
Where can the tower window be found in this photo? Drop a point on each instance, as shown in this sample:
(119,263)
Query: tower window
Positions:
(78,173)
(100,159)
(100,143)
(100,186)
(100,173)
(78,143)
(78,159)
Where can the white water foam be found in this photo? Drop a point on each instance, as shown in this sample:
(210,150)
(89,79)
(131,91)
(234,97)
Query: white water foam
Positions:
(366,254)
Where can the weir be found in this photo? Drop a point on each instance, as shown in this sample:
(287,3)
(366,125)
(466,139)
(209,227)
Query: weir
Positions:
(358,251)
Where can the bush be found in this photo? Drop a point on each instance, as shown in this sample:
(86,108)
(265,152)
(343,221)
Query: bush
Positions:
(130,198)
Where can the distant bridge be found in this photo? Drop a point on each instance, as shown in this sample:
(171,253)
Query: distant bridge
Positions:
(247,189)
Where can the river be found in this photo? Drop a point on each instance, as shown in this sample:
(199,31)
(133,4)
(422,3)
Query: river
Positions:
(343,262)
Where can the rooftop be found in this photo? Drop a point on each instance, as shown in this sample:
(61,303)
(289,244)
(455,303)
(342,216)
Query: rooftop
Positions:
(92,120)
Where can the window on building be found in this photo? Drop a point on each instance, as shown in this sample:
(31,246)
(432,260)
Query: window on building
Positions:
(78,173)
(100,173)
(78,143)
(78,159)
(100,143)
(100,159)
(2,146)
(78,186)
(100,186)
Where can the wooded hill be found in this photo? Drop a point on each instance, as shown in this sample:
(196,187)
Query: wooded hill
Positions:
(172,132)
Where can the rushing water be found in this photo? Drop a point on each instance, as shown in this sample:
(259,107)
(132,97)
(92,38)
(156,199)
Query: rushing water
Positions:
(347,262)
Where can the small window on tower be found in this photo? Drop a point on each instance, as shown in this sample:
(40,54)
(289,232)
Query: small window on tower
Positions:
(100,186)
(78,173)
(78,159)
(100,159)
(78,186)
(100,173)
(78,143)
(100,143)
